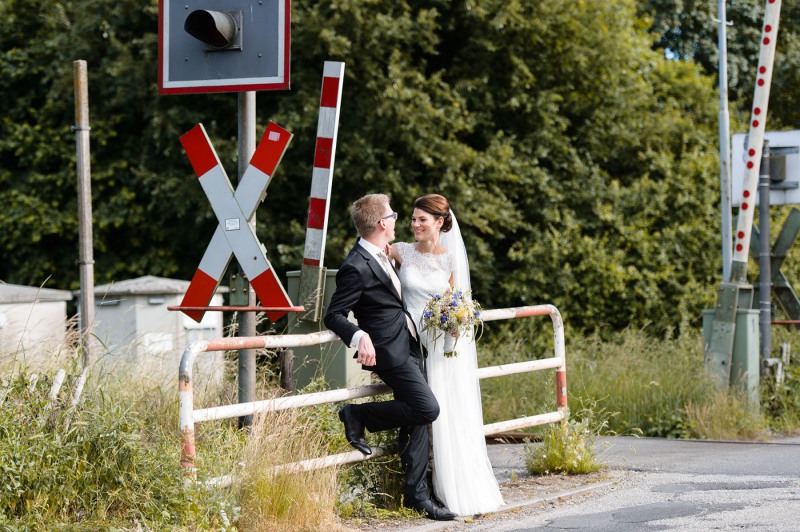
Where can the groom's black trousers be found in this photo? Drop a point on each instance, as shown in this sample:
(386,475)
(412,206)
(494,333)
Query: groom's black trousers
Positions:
(414,407)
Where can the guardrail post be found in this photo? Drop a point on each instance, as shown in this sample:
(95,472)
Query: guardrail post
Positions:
(186,398)
(287,370)
(561,390)
(561,353)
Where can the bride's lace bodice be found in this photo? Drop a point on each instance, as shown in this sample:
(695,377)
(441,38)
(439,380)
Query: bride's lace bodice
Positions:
(422,275)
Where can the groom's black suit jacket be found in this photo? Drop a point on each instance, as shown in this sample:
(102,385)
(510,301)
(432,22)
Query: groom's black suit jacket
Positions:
(363,287)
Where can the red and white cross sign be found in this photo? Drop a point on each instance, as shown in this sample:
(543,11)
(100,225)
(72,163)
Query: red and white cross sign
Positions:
(233,209)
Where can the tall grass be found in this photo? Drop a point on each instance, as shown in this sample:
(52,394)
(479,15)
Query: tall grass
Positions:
(567,447)
(656,385)
(97,464)
(274,499)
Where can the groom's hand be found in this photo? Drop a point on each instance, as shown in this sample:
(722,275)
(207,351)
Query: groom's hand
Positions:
(366,351)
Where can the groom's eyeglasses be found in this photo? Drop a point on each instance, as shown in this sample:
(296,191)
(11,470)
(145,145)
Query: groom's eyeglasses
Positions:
(393,215)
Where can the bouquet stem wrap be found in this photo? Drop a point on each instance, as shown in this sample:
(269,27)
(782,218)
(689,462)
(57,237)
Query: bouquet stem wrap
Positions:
(452,314)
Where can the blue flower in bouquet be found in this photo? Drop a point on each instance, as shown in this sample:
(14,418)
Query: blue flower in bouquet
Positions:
(451,315)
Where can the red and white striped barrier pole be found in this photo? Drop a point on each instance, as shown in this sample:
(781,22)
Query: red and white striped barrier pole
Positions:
(233,210)
(734,294)
(755,140)
(311,281)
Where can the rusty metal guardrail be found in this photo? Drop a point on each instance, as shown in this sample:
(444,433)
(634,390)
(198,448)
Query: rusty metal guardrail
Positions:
(189,416)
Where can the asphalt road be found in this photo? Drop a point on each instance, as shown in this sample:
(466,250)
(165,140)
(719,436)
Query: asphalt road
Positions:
(664,485)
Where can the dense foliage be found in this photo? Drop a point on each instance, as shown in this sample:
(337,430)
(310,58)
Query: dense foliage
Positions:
(580,161)
(689,30)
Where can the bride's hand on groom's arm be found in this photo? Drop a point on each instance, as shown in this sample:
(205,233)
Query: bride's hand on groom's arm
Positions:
(366,351)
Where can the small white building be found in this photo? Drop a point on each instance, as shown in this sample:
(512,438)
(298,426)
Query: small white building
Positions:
(141,340)
(33,326)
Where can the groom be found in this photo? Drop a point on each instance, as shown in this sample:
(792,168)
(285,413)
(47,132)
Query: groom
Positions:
(385,338)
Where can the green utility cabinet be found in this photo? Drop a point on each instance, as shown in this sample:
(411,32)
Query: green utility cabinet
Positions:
(333,360)
(745,366)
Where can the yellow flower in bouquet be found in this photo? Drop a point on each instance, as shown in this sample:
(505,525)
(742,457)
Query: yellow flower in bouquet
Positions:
(451,315)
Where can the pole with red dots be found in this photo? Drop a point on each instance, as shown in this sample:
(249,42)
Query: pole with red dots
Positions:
(758,119)
(737,294)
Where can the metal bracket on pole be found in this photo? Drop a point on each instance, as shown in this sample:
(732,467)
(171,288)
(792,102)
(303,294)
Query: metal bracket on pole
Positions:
(239,295)
(312,290)
(719,351)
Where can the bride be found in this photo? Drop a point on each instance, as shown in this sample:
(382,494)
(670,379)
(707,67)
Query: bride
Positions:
(462,474)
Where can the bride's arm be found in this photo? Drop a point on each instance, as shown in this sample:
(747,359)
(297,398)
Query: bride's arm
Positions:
(391,251)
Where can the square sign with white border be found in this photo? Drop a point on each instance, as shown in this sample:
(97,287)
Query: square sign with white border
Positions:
(785,167)
(223,45)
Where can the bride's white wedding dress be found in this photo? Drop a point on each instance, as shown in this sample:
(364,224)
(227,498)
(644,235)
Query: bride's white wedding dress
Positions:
(462,474)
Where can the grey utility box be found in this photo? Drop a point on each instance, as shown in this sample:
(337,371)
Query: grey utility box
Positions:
(745,366)
(142,341)
(33,327)
(332,360)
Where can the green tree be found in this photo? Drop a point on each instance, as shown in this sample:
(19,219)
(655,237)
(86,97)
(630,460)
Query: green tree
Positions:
(688,30)
(143,204)
(581,163)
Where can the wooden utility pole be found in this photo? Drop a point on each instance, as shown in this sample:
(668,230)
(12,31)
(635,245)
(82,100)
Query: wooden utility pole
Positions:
(85,239)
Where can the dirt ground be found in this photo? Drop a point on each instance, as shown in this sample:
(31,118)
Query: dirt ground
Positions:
(515,491)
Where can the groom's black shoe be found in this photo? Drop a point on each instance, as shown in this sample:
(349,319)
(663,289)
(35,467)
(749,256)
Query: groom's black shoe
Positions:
(354,430)
(431,510)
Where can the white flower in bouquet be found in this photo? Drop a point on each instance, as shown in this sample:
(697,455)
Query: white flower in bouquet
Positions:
(451,315)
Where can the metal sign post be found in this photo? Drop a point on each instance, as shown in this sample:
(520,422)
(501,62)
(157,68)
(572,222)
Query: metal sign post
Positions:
(246,359)
(85,239)
(764,261)
(233,46)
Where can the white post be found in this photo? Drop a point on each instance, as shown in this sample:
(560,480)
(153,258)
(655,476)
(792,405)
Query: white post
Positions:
(724,147)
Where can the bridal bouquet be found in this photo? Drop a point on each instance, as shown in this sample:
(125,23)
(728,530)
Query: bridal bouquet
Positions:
(452,314)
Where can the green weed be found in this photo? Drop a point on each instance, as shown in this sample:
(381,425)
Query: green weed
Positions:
(567,447)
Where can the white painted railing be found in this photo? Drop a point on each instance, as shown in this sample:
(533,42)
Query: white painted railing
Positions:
(189,416)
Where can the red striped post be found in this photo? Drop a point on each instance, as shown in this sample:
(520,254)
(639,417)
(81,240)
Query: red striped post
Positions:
(311,281)
(561,389)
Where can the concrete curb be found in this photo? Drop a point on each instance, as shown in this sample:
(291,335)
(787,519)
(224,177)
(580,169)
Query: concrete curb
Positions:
(432,526)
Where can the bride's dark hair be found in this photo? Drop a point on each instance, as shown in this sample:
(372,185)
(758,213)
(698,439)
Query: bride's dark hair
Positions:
(438,206)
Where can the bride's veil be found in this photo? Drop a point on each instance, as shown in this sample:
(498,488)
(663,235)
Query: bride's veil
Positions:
(453,241)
